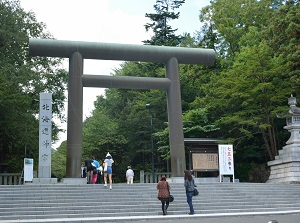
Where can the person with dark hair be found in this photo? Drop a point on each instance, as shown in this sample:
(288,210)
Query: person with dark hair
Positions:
(189,185)
(89,170)
(100,173)
(163,188)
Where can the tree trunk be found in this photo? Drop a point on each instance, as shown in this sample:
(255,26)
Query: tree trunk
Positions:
(4,152)
(274,140)
(265,138)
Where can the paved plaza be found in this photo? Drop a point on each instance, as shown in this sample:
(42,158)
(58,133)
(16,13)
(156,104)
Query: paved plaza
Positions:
(293,217)
(286,218)
(275,217)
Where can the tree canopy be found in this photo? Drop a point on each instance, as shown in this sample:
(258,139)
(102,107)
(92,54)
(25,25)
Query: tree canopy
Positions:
(22,78)
(164,35)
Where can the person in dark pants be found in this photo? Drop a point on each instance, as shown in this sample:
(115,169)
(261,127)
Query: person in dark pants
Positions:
(189,185)
(163,188)
(100,172)
(89,170)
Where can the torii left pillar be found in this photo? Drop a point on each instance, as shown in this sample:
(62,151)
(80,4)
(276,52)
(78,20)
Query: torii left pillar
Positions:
(75,103)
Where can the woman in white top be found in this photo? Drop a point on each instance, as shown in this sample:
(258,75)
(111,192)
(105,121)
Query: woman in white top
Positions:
(108,170)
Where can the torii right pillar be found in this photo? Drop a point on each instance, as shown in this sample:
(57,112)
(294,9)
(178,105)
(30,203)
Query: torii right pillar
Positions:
(286,166)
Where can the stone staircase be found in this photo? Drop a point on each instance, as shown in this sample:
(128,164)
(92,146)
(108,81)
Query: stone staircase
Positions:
(77,203)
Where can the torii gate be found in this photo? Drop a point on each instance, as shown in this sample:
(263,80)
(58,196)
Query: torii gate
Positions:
(77,51)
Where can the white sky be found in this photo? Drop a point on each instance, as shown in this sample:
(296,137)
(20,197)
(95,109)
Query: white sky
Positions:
(111,21)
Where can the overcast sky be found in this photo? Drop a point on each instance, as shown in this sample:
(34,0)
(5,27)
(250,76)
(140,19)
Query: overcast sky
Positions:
(111,21)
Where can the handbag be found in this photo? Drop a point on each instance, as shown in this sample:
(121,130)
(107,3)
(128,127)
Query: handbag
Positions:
(196,193)
(171,197)
(105,167)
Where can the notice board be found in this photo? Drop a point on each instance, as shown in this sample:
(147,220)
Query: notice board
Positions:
(205,161)
(28,169)
(226,160)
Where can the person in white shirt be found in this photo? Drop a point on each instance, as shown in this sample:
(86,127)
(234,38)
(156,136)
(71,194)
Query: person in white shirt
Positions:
(129,175)
(108,170)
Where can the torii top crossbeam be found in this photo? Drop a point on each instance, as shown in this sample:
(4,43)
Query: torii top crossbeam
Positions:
(123,52)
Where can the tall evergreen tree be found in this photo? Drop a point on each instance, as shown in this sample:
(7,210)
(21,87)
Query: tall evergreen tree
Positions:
(163,34)
(284,37)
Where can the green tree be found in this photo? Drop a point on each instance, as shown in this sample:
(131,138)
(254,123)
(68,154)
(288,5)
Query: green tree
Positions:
(255,72)
(58,161)
(250,93)
(164,35)
(229,20)
(283,36)
(22,78)
(101,135)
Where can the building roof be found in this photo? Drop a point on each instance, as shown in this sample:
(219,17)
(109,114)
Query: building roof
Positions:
(201,141)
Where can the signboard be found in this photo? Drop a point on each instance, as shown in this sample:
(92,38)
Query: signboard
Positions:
(226,165)
(205,161)
(45,133)
(28,169)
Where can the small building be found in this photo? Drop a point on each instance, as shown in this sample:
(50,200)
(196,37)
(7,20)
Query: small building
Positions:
(203,157)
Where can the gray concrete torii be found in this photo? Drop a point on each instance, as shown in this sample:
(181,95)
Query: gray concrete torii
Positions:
(77,51)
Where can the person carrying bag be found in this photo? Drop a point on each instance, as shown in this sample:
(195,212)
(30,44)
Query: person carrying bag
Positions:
(163,188)
(189,185)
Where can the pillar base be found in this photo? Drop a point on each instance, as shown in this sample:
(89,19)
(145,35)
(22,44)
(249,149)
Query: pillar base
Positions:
(77,181)
(176,180)
(286,166)
(44,180)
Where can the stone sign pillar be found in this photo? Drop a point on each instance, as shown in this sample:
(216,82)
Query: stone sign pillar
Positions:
(286,166)
(45,133)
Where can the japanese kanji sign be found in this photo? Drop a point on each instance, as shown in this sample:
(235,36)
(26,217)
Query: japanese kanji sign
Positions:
(226,166)
(205,161)
(45,133)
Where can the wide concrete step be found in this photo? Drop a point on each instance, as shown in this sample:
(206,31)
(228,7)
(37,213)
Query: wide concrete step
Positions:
(77,201)
(128,207)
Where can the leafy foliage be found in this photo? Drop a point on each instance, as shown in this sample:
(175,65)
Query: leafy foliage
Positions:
(58,161)
(22,78)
